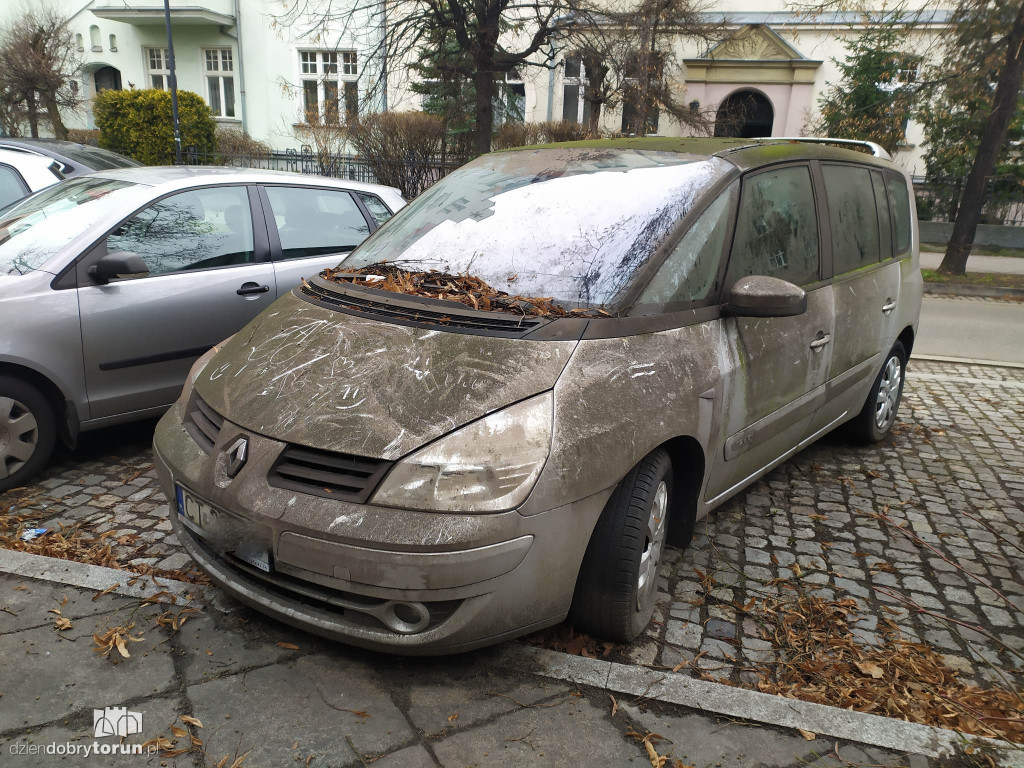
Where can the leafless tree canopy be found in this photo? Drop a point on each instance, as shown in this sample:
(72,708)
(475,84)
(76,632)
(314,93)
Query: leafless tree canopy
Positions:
(38,66)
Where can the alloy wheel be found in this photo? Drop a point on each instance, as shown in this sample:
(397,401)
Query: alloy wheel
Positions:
(888,393)
(654,543)
(19,436)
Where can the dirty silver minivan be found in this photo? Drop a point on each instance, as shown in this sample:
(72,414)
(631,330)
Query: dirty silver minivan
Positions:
(411,473)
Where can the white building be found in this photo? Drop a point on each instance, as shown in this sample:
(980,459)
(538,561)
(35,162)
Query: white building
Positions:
(260,75)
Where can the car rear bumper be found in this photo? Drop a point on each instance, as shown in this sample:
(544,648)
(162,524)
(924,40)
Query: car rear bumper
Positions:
(387,579)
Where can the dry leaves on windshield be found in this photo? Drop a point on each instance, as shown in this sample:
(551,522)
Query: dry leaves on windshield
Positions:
(464,289)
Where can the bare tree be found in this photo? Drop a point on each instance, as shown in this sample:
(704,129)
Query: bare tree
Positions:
(39,65)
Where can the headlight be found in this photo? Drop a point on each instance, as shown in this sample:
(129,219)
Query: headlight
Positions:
(488,466)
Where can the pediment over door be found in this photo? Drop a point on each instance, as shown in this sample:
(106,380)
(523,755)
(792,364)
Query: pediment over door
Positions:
(755,42)
(754,53)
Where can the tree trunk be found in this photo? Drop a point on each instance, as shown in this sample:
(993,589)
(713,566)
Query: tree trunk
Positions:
(33,115)
(597,73)
(484,111)
(60,131)
(1004,104)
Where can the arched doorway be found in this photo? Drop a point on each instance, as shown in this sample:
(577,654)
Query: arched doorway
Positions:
(107,79)
(745,115)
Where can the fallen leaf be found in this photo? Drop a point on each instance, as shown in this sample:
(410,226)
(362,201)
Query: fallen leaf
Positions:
(106,591)
(191,720)
(807,734)
(453,718)
(870,668)
(287,646)
(615,705)
(178,732)
(61,624)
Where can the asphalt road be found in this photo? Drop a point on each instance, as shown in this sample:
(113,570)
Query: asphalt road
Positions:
(975,329)
(1008,265)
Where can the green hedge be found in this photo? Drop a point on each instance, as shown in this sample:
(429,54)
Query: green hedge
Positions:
(138,124)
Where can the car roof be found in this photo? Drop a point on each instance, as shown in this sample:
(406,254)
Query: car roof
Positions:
(743,153)
(176,176)
(16,158)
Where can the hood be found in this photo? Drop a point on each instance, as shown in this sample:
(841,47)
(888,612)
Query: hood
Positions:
(324,379)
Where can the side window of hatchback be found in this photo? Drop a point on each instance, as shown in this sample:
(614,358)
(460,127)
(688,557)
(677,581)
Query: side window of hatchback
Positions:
(776,228)
(853,216)
(197,229)
(899,198)
(316,222)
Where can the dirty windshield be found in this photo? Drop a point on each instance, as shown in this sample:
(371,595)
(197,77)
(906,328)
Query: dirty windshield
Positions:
(570,224)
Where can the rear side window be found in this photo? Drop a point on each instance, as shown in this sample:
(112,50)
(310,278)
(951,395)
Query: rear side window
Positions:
(776,228)
(11,186)
(884,220)
(316,222)
(899,196)
(378,211)
(853,217)
(689,271)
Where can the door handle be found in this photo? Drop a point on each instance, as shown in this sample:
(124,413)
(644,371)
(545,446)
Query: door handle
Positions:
(821,340)
(888,307)
(248,289)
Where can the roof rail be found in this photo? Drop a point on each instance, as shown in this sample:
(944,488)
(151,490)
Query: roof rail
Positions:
(875,149)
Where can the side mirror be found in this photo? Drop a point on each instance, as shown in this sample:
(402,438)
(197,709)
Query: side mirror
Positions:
(762,296)
(117,264)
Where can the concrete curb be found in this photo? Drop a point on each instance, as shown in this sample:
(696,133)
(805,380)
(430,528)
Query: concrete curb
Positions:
(965,361)
(956,289)
(648,684)
(88,576)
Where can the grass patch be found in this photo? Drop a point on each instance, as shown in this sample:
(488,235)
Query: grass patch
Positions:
(986,279)
(977,250)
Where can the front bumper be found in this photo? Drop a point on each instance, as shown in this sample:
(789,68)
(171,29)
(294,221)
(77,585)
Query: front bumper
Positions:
(387,579)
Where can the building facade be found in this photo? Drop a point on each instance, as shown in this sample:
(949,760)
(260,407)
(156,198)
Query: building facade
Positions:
(261,72)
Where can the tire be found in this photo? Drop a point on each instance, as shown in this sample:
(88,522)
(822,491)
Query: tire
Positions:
(874,423)
(28,432)
(614,599)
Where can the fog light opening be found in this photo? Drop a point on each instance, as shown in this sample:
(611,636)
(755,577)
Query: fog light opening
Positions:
(406,618)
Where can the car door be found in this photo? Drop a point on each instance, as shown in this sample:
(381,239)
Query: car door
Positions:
(209,274)
(775,379)
(866,283)
(311,229)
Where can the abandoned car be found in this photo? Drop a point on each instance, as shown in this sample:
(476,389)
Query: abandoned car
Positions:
(495,412)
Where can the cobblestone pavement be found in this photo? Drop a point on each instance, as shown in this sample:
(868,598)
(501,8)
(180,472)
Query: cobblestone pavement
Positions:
(953,473)
(326,705)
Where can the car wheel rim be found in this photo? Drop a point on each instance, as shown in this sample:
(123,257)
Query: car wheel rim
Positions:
(888,393)
(18,436)
(654,542)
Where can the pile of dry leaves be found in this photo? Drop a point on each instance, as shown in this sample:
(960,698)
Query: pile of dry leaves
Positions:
(464,289)
(77,543)
(821,661)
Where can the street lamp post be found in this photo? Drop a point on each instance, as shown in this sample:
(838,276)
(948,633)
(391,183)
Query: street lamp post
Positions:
(173,83)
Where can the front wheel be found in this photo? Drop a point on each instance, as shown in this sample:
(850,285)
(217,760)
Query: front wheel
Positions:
(617,585)
(875,421)
(28,431)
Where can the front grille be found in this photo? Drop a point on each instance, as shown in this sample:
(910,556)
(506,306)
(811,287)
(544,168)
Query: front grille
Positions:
(511,325)
(331,475)
(202,423)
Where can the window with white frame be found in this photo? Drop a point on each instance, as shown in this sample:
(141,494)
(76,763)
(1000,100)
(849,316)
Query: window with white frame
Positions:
(158,68)
(575,107)
(219,70)
(512,102)
(330,86)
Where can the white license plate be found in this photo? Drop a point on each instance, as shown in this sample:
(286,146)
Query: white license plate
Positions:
(199,516)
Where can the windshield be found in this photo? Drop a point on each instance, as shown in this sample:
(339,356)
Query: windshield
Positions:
(570,224)
(38,227)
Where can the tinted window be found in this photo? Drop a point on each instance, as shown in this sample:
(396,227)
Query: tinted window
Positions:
(852,214)
(36,228)
(689,272)
(376,207)
(198,229)
(316,222)
(900,198)
(11,186)
(884,221)
(776,228)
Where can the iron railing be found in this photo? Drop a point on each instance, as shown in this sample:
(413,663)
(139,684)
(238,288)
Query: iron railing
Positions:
(1004,202)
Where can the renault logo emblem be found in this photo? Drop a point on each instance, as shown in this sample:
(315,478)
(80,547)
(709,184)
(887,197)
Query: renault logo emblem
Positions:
(237,454)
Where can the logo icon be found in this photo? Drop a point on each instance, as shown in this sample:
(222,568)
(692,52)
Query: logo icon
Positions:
(238,454)
(115,721)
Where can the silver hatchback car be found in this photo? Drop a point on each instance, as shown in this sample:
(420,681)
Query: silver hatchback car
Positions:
(496,410)
(112,284)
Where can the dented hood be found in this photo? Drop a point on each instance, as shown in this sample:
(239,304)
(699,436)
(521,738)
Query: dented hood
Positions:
(324,379)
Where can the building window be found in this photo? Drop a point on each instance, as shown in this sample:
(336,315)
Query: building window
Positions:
(158,68)
(79,43)
(512,107)
(218,67)
(94,38)
(329,86)
(633,98)
(575,107)
(113,43)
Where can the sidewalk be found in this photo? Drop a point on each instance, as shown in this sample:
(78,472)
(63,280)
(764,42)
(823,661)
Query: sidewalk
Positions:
(1006,265)
(316,703)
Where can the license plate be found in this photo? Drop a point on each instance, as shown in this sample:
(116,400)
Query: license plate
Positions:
(200,517)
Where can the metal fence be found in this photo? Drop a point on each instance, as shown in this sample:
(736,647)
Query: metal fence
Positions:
(411,177)
(1004,202)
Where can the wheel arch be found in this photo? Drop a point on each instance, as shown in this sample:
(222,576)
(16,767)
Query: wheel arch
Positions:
(688,467)
(907,338)
(64,409)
